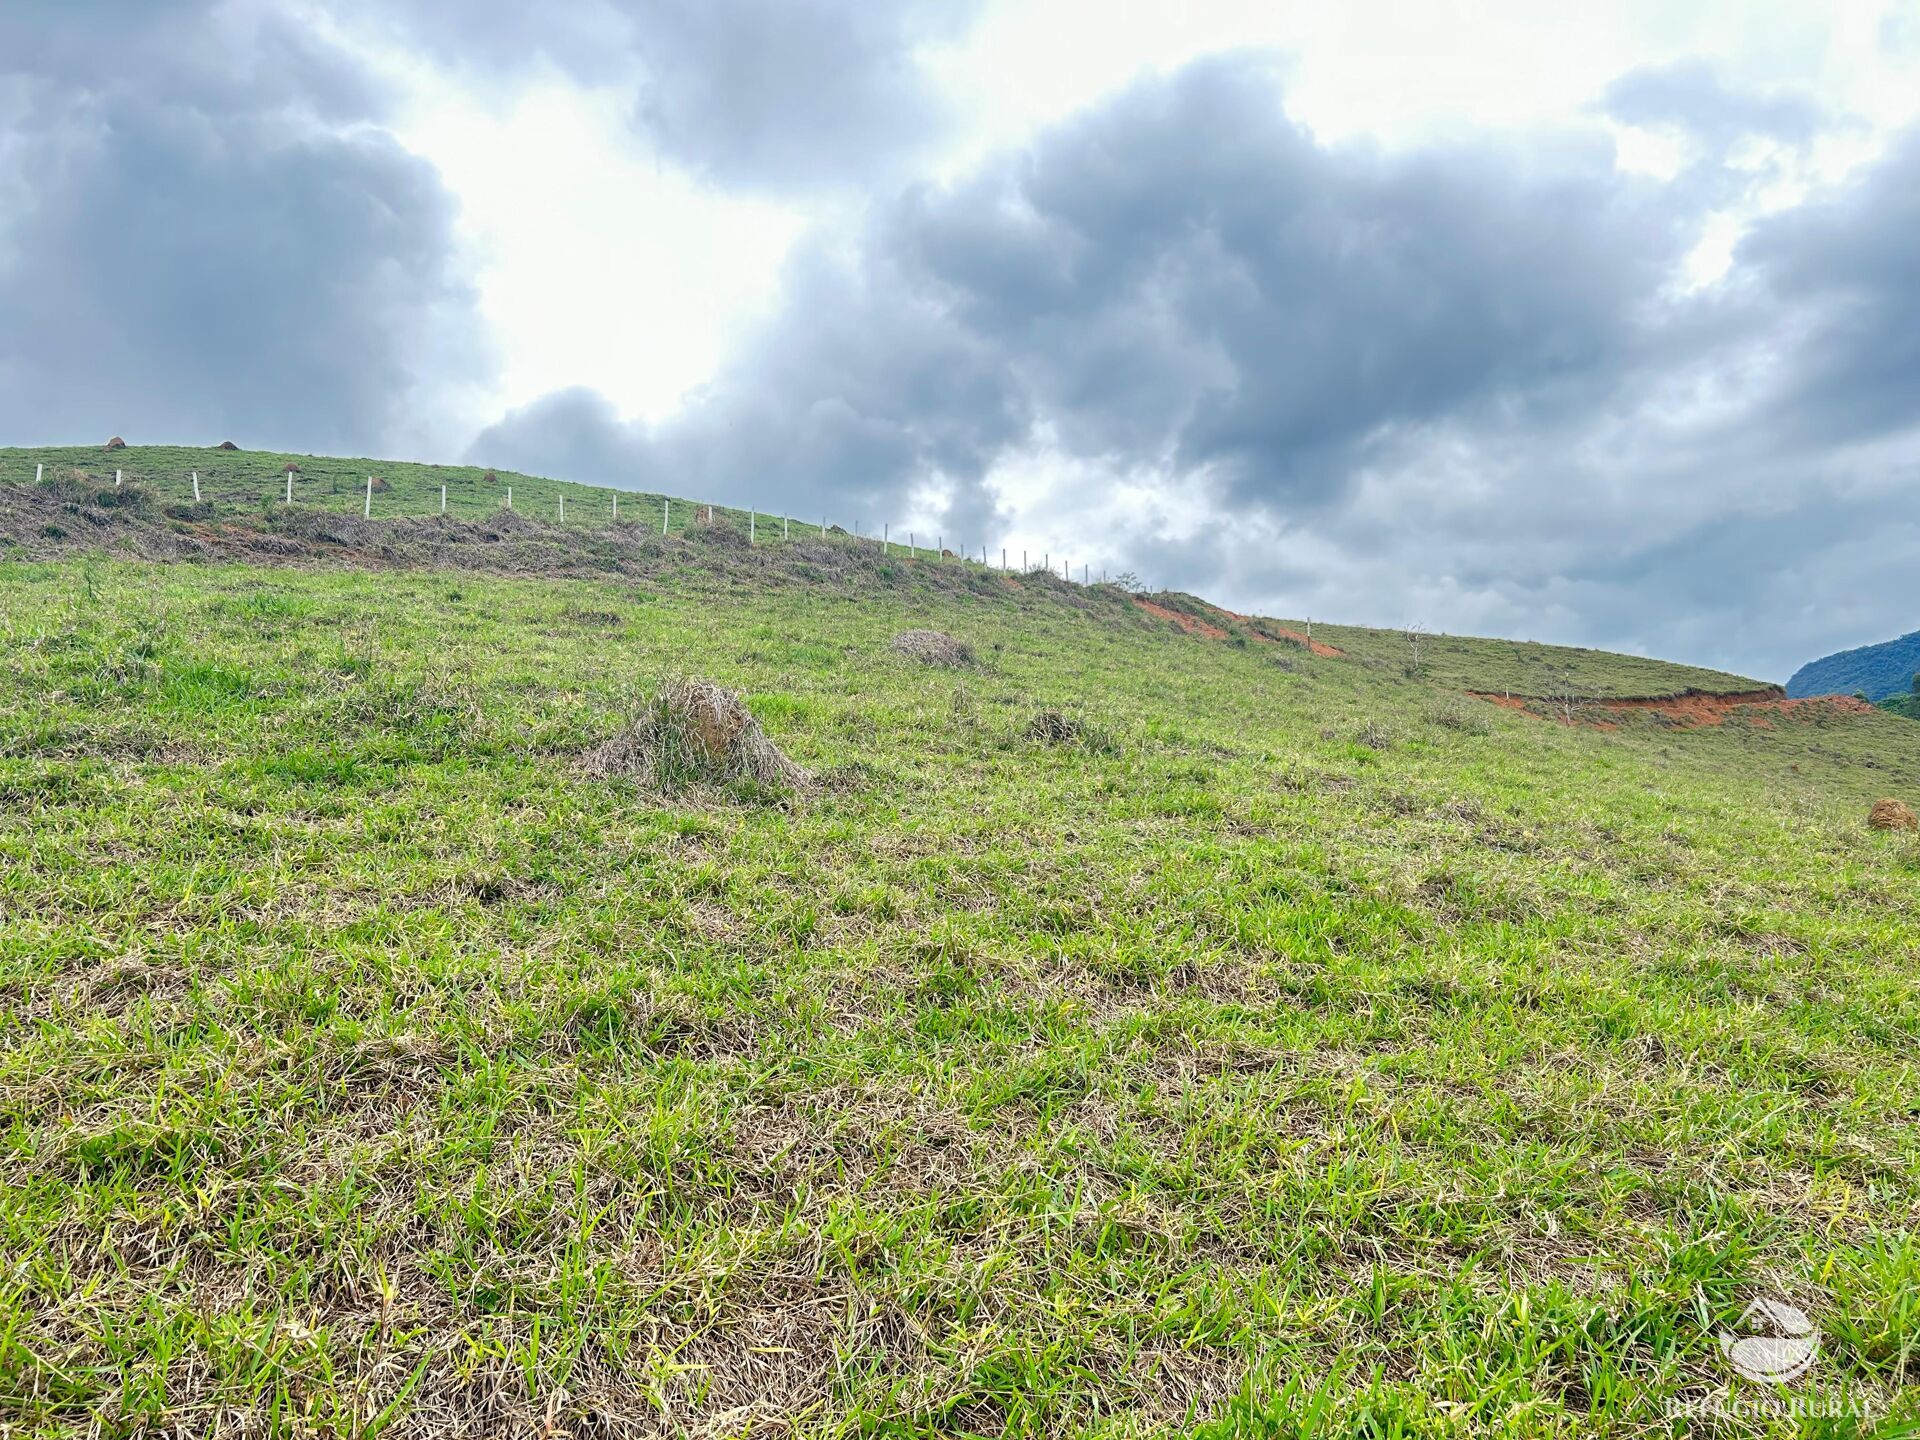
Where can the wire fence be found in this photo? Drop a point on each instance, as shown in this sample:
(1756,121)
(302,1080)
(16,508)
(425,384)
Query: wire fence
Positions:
(398,491)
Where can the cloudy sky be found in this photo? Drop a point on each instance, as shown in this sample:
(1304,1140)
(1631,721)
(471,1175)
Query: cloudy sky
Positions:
(1590,323)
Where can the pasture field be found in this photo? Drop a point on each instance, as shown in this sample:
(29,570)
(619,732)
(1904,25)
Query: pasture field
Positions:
(1298,1047)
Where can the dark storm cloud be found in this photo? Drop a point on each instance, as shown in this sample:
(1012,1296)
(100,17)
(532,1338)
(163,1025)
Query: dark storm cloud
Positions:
(1183,278)
(207,242)
(1221,290)
(773,94)
(1848,265)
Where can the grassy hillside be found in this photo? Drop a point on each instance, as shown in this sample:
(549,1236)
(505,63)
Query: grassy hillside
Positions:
(250,487)
(1525,667)
(248,483)
(1876,671)
(1301,1034)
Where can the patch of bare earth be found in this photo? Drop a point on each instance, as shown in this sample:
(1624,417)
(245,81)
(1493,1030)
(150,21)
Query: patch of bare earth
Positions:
(1193,625)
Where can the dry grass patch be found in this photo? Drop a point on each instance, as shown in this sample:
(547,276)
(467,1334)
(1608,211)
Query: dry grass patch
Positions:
(933,647)
(1892,815)
(695,735)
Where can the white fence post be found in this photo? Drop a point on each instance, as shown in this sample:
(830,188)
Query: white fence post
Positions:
(509,497)
(367,509)
(786,528)
(666,513)
(289,487)
(116,477)
(36,473)
(1003,557)
(563,509)
(443,499)
(196,487)
(753,520)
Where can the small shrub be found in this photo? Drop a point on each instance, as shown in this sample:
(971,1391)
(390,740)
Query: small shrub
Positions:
(1453,715)
(933,647)
(121,497)
(1374,736)
(1054,727)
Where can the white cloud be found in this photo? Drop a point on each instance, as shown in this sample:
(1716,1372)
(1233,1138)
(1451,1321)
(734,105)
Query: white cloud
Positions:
(593,264)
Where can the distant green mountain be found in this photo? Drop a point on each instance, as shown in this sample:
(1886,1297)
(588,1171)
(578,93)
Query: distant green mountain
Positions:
(1876,671)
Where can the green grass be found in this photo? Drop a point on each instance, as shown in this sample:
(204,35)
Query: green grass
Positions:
(1307,1050)
(1526,667)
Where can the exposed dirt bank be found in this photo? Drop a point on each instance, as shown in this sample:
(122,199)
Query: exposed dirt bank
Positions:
(1688,710)
(1259,629)
(1192,624)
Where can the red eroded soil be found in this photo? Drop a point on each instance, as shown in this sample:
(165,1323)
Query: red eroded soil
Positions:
(1186,622)
(1268,630)
(1260,629)
(1330,652)
(1693,709)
